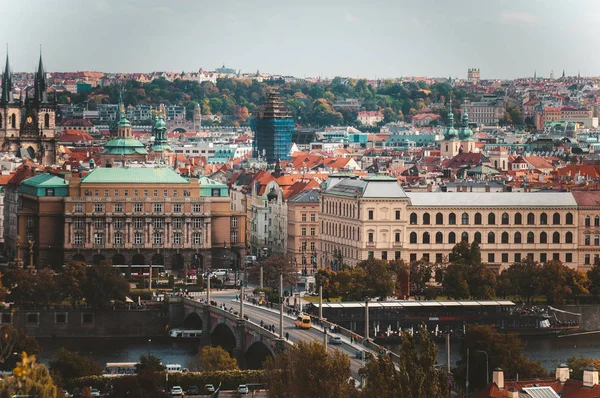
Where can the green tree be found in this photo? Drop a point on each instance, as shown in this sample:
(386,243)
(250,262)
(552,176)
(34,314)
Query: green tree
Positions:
(274,266)
(380,280)
(46,290)
(149,363)
(594,278)
(70,365)
(578,364)
(559,282)
(414,375)
(212,359)
(309,370)
(103,284)
(522,279)
(71,281)
(30,379)
(504,351)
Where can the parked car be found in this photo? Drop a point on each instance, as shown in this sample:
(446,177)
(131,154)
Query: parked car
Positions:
(176,391)
(336,340)
(193,390)
(209,388)
(243,389)
(360,354)
(94,392)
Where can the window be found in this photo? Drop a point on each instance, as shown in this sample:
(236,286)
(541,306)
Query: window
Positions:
(439,219)
(477,218)
(464,236)
(138,238)
(397,237)
(517,257)
(491,219)
(451,237)
(413,257)
(313,231)
(98,208)
(491,237)
(138,222)
(413,237)
(60,318)
(556,256)
(177,208)
(543,237)
(543,257)
(569,237)
(118,208)
(136,192)
(586,259)
(197,208)
(196,238)
(145,192)
(371,237)
(98,238)
(397,214)
(87,318)
(312,246)
(530,237)
(426,237)
(530,219)
(215,192)
(165,193)
(517,237)
(477,237)
(158,207)
(126,192)
(544,219)
(138,207)
(452,219)
(49,191)
(158,238)
(504,257)
(556,219)
(98,223)
(397,255)
(597,221)
(177,223)
(505,219)
(116,192)
(177,238)
(588,221)
(118,238)
(568,257)
(156,192)
(596,240)
(79,238)
(313,217)
(569,218)
(118,223)
(413,218)
(439,237)
(426,219)
(439,258)
(464,219)
(518,219)
(556,237)
(186,193)
(491,258)
(303,231)
(303,217)
(197,223)
(504,237)
(32,318)
(371,215)
(158,222)
(384,255)
(78,208)
(79,223)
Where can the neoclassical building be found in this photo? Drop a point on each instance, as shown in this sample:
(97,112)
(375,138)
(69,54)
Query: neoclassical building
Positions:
(375,218)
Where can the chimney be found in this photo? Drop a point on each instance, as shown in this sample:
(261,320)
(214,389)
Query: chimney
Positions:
(513,393)
(590,377)
(562,373)
(498,378)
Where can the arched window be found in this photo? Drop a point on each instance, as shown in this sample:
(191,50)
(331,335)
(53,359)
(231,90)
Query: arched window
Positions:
(413,218)
(556,219)
(544,219)
(530,219)
(569,219)
(426,237)
(439,219)
(464,219)
(13,121)
(477,218)
(464,236)
(556,237)
(451,237)
(491,219)
(504,237)
(439,237)
(517,237)
(491,237)
(569,237)
(530,237)
(597,221)
(477,237)
(588,221)
(543,237)
(413,237)
(47,120)
(505,219)
(426,219)
(518,219)
(452,219)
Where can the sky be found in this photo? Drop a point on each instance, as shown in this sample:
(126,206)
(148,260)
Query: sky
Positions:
(307,38)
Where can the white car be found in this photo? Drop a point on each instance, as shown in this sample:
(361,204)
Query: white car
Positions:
(336,340)
(209,388)
(176,391)
(243,389)
(94,392)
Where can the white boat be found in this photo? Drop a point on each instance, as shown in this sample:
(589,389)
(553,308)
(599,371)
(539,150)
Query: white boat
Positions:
(185,333)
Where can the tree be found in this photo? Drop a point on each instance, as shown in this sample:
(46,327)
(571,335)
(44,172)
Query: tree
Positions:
(415,374)
(15,340)
(45,288)
(30,379)
(466,276)
(70,365)
(594,277)
(216,358)
(380,280)
(558,282)
(420,274)
(72,280)
(273,267)
(578,364)
(149,363)
(103,284)
(504,351)
(523,279)
(309,370)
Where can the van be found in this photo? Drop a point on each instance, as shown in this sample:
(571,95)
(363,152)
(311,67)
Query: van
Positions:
(173,368)
(219,272)
(303,322)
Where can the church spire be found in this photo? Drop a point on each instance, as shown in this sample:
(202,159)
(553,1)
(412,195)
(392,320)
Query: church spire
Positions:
(41,84)
(7,85)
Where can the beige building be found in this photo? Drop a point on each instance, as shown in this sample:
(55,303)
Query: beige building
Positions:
(303,230)
(375,218)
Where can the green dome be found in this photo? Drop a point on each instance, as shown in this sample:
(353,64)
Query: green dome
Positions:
(465,132)
(160,123)
(450,132)
(124,146)
(124,122)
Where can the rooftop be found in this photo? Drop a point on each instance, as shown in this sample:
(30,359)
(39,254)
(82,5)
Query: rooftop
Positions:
(136,175)
(46,181)
(372,187)
(492,199)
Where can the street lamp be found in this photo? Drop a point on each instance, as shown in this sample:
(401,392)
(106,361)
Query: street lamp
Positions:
(487,370)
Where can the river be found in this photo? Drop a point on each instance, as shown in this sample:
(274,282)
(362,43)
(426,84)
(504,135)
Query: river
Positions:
(549,350)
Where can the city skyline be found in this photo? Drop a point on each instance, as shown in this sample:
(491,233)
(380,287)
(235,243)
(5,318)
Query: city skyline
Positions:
(506,39)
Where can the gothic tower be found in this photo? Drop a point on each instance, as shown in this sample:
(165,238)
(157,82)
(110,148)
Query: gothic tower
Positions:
(197,118)
(10,110)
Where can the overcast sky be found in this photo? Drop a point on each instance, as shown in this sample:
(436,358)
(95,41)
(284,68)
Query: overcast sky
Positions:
(368,38)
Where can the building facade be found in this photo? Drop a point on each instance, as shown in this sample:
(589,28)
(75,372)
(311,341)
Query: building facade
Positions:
(273,129)
(303,230)
(484,112)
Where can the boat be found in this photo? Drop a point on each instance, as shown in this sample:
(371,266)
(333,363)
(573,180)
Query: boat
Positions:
(185,333)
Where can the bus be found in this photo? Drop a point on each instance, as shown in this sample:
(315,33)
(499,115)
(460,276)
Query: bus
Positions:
(140,270)
(119,368)
(303,322)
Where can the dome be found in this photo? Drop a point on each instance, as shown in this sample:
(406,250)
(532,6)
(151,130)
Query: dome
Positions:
(124,122)
(465,132)
(450,132)
(160,123)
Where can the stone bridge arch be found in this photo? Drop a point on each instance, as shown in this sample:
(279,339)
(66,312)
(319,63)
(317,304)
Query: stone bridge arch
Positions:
(259,349)
(193,321)
(225,336)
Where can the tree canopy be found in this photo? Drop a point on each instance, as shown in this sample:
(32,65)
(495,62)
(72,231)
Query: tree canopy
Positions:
(215,358)
(70,365)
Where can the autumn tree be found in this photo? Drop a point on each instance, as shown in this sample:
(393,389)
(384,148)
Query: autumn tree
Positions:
(414,375)
(212,359)
(559,282)
(578,364)
(72,280)
(309,370)
(29,379)
(15,340)
(274,266)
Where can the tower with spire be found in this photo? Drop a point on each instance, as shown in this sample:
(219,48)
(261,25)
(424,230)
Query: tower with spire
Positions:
(160,149)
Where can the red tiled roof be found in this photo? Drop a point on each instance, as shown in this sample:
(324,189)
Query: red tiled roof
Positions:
(586,198)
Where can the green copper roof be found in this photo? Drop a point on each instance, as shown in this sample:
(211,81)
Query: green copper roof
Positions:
(46,181)
(134,175)
(160,147)
(124,122)
(124,146)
